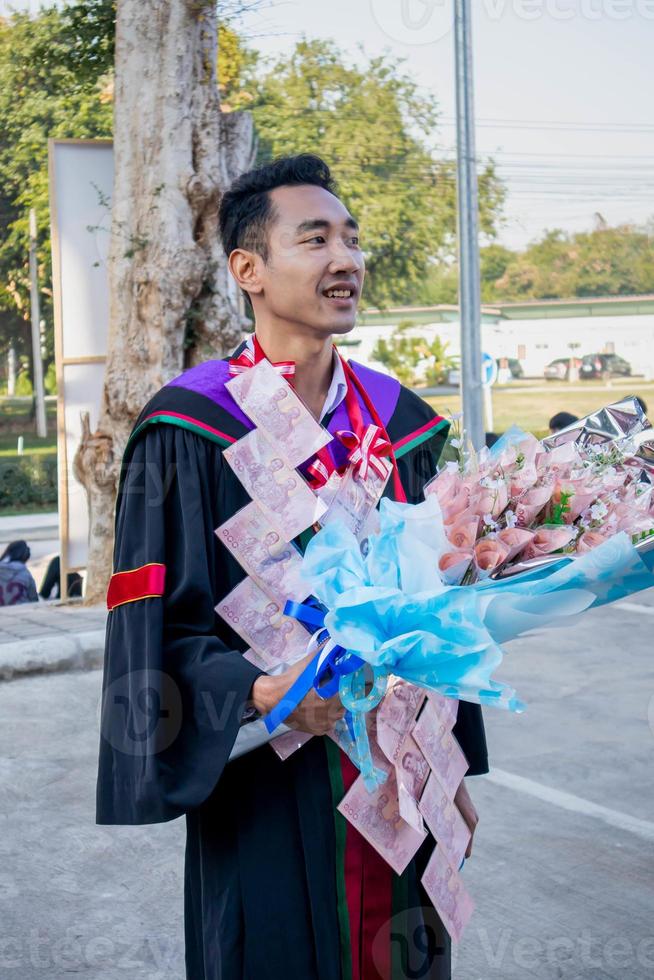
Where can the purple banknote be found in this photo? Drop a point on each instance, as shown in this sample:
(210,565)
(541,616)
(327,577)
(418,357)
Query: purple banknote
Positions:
(411,767)
(277,411)
(396,714)
(288,743)
(280,491)
(446,708)
(259,620)
(448,894)
(377,818)
(258,547)
(441,750)
(354,500)
(444,820)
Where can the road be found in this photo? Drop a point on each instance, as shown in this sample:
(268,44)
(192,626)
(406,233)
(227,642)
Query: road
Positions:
(563,867)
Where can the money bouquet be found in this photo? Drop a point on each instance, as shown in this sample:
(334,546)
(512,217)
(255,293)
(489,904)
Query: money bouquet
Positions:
(525,500)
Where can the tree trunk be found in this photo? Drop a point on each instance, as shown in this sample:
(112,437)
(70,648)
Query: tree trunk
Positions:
(170,307)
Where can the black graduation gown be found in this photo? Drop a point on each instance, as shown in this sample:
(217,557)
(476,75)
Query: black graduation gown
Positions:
(277,886)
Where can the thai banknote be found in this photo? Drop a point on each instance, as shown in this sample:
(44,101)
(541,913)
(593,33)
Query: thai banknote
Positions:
(259,620)
(395,715)
(411,767)
(280,491)
(288,743)
(278,411)
(409,810)
(273,563)
(440,749)
(448,894)
(445,822)
(377,818)
(447,709)
(354,500)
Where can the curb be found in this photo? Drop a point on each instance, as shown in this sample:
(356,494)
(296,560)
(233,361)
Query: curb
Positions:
(52,654)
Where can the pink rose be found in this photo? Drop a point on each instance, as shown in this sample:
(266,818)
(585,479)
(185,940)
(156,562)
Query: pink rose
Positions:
(583,495)
(490,500)
(515,538)
(463,532)
(549,539)
(588,541)
(454,504)
(490,553)
(445,484)
(453,565)
(531,503)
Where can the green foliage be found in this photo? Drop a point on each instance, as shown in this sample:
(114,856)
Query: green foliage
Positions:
(561,507)
(50,380)
(604,262)
(23,385)
(29,479)
(236,70)
(412,359)
(48,88)
(371,124)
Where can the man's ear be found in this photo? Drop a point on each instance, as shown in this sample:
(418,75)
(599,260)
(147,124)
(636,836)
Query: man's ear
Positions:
(244,266)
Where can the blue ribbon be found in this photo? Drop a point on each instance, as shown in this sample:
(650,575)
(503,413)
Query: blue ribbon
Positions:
(338,672)
(324,678)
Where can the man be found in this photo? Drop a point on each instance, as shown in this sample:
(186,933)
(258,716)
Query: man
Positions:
(278,885)
(561,421)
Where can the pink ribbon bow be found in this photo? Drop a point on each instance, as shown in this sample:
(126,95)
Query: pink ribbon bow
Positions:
(247,359)
(367,452)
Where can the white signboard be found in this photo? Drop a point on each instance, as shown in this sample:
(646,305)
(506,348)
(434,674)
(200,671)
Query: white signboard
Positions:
(81,178)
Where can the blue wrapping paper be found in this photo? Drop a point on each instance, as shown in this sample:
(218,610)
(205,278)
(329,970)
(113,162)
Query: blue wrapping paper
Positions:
(391,609)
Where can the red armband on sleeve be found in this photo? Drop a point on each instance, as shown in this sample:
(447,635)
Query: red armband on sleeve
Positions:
(145,582)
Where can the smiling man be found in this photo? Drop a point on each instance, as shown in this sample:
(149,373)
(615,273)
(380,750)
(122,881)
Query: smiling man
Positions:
(278,886)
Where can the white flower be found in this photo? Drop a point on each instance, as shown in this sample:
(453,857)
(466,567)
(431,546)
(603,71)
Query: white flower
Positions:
(511,518)
(455,443)
(490,522)
(598,511)
(452,466)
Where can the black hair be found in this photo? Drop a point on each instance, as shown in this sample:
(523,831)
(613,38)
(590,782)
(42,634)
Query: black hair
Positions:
(246,211)
(16,551)
(562,420)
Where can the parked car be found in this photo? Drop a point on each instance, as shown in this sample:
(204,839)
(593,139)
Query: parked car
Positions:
(604,366)
(514,366)
(559,369)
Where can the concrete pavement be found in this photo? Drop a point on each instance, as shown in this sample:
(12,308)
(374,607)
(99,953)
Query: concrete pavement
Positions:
(563,867)
(43,637)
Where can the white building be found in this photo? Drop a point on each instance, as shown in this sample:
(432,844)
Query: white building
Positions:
(533,332)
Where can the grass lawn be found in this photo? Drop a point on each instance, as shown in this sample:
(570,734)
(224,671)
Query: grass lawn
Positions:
(31,444)
(15,421)
(532,405)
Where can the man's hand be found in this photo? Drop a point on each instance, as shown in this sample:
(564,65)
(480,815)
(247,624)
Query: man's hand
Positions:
(468,812)
(312,715)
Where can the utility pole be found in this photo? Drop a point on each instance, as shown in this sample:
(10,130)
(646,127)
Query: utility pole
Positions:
(41,428)
(468,209)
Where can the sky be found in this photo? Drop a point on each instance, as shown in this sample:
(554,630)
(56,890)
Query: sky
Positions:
(563,92)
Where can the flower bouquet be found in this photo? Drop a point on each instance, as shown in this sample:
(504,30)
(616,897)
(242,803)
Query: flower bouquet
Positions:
(525,535)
